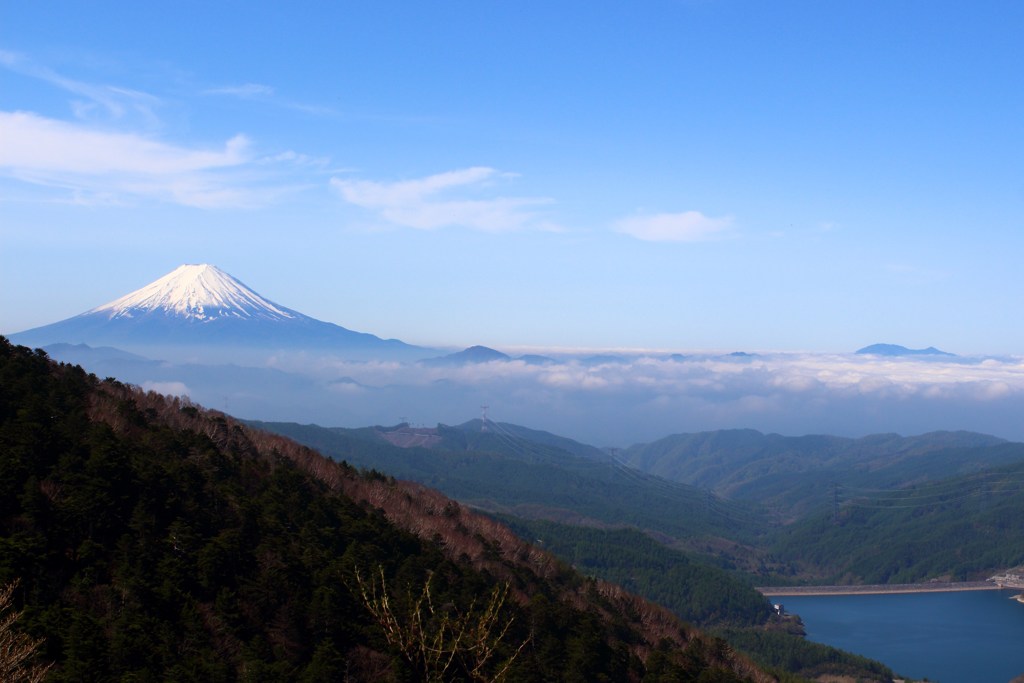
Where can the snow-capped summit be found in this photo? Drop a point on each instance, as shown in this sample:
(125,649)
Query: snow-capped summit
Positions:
(196,292)
(202,307)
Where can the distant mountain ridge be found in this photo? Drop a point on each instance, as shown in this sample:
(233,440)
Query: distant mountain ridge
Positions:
(483,354)
(897,350)
(799,471)
(529,473)
(201,305)
(473,354)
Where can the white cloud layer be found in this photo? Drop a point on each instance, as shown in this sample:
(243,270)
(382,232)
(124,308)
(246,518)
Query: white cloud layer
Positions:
(618,399)
(631,399)
(688,226)
(725,376)
(417,204)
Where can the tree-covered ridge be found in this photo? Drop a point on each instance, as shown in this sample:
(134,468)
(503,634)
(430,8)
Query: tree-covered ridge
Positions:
(476,433)
(795,473)
(156,541)
(508,473)
(899,521)
(961,528)
(699,593)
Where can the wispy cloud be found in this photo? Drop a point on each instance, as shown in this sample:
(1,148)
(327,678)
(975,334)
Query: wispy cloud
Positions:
(267,94)
(34,143)
(417,203)
(111,150)
(689,226)
(246,91)
(100,101)
(95,165)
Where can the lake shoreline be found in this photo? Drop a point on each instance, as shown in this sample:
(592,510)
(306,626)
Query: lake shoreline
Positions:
(882,589)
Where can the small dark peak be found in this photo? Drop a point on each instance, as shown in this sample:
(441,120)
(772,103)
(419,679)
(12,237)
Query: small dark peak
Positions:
(739,356)
(345,382)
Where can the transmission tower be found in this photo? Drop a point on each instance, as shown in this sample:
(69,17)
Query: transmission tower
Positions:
(483,418)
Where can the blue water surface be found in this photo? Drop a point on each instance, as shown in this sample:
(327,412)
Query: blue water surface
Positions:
(961,637)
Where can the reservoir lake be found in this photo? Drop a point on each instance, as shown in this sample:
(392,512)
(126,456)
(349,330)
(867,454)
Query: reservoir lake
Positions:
(955,637)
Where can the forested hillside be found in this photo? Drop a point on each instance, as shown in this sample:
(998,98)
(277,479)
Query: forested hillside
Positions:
(155,541)
(961,528)
(505,472)
(901,517)
(795,474)
(700,593)
(503,464)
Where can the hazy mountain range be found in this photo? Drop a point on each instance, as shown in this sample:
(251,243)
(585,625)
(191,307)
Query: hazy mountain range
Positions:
(201,332)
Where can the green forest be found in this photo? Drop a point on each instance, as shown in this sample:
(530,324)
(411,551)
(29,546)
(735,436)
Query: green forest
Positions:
(511,474)
(893,517)
(964,528)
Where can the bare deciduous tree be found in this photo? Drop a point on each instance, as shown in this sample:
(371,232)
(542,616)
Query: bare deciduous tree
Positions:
(17,650)
(442,642)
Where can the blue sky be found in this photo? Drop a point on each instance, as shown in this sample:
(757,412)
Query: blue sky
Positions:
(702,174)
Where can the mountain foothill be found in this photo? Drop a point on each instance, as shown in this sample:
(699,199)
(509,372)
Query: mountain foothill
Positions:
(145,537)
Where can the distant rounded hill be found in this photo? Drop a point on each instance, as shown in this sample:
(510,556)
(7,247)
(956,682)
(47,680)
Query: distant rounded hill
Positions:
(483,354)
(474,354)
(897,350)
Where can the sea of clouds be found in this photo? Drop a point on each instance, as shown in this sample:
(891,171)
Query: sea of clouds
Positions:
(628,399)
(610,399)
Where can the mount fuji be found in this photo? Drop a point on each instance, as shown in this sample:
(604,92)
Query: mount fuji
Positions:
(201,306)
